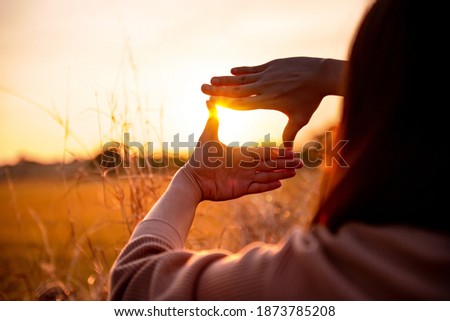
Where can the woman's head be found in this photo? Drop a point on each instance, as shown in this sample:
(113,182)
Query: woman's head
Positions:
(392,178)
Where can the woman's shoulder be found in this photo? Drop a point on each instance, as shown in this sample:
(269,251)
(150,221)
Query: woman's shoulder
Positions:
(386,262)
(402,236)
(352,239)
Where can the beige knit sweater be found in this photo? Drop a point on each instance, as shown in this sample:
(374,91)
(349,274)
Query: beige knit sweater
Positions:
(359,262)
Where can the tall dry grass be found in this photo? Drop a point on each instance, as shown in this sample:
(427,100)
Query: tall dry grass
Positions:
(61,234)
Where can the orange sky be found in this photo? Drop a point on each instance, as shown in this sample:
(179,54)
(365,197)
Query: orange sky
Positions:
(79,64)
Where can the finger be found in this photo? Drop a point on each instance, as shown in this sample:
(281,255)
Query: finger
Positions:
(229,91)
(242,103)
(261,187)
(269,177)
(270,153)
(276,164)
(212,110)
(249,70)
(211,130)
(290,131)
(234,80)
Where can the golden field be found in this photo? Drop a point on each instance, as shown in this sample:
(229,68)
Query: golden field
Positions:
(59,235)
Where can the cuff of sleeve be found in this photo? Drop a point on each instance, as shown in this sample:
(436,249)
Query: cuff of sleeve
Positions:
(161,229)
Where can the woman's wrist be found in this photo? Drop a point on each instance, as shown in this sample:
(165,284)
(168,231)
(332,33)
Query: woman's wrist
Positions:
(186,182)
(332,76)
(177,205)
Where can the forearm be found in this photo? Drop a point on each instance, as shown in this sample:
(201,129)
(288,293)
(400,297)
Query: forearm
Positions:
(333,76)
(177,205)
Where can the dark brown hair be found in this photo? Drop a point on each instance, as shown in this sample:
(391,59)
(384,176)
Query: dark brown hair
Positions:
(395,149)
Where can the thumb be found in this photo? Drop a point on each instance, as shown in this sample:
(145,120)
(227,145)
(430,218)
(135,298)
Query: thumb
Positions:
(290,131)
(211,131)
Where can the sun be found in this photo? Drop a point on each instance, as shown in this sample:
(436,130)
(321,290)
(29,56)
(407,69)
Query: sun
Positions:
(249,127)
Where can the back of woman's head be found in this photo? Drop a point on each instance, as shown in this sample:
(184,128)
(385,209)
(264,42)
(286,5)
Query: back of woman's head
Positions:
(394,148)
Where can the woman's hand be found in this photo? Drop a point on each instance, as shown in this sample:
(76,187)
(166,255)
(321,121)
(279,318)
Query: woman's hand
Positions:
(294,86)
(221,173)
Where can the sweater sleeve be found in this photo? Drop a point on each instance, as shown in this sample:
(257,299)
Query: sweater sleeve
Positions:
(359,262)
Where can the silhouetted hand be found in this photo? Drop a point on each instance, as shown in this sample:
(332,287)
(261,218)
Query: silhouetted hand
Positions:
(294,86)
(223,173)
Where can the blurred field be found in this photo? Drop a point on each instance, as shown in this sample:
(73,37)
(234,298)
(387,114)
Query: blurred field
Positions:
(59,236)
